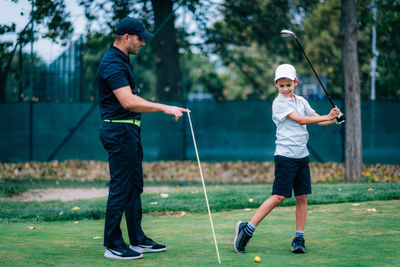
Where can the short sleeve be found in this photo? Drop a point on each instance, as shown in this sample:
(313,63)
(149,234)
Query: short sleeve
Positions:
(280,110)
(116,77)
(307,108)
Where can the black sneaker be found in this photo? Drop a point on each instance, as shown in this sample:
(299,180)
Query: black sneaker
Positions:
(298,245)
(148,246)
(241,238)
(122,252)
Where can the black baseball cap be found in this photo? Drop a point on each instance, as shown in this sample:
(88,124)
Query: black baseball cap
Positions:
(132,26)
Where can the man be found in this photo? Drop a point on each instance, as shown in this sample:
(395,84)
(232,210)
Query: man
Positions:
(120,109)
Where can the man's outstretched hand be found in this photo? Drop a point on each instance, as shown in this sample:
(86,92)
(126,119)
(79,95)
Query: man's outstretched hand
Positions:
(176,112)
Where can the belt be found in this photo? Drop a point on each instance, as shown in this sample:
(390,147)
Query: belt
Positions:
(133,121)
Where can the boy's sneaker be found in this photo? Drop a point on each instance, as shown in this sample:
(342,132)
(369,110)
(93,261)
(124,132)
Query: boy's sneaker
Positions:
(148,245)
(122,252)
(298,245)
(241,238)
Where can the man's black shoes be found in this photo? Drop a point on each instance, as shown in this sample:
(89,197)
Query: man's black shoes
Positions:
(148,245)
(298,245)
(122,252)
(241,238)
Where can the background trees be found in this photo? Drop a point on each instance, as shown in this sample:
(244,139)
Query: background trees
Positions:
(388,27)
(235,56)
(51,15)
(243,40)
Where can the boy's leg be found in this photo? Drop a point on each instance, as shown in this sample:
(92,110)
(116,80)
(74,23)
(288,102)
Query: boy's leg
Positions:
(302,187)
(285,174)
(244,231)
(301,212)
(266,208)
(298,243)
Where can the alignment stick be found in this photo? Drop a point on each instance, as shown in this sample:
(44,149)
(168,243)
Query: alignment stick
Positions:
(204,188)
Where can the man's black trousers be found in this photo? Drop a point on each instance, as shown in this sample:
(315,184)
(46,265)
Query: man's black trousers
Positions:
(125,155)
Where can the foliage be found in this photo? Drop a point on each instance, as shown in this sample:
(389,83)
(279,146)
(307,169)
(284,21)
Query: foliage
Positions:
(50,14)
(200,74)
(95,45)
(198,69)
(54,16)
(249,33)
(19,83)
(323,43)
(388,27)
(248,40)
(5,45)
(160,15)
(187,171)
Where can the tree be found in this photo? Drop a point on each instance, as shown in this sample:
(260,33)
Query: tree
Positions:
(388,40)
(165,44)
(5,59)
(169,85)
(352,91)
(249,43)
(322,38)
(18,83)
(52,15)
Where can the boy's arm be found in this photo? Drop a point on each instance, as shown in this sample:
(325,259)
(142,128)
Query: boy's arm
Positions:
(314,118)
(323,123)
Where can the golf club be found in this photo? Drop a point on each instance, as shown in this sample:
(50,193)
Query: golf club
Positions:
(289,34)
(204,187)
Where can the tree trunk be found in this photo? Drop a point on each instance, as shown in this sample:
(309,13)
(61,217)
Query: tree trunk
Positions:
(168,76)
(352,92)
(167,56)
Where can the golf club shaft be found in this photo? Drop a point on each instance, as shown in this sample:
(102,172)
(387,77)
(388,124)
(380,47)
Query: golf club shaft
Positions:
(204,188)
(316,75)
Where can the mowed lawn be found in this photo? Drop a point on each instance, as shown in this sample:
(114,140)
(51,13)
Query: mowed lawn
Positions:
(344,234)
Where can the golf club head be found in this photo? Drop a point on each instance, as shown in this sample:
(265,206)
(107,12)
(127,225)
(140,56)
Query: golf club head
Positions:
(288,34)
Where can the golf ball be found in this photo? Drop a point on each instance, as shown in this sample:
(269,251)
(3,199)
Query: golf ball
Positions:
(257,259)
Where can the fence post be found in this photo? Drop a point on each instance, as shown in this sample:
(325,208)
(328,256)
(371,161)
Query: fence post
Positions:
(30,130)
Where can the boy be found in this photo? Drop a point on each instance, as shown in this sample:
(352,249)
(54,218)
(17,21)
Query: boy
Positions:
(290,113)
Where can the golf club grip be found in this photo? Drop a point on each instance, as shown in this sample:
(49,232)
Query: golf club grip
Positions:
(316,75)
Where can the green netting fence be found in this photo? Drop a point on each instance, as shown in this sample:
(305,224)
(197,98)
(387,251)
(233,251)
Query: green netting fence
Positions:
(225,131)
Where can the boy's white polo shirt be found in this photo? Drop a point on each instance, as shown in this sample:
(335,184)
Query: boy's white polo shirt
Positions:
(291,137)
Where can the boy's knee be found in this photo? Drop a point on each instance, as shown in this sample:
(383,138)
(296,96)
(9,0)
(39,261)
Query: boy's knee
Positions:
(279,198)
(302,198)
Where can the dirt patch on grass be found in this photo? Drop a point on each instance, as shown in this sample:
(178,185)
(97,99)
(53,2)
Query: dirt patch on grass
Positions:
(68,194)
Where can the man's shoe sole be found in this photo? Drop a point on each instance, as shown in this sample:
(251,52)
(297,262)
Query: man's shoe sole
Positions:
(109,254)
(236,236)
(140,249)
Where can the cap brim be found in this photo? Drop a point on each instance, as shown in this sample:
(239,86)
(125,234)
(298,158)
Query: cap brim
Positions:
(285,76)
(146,35)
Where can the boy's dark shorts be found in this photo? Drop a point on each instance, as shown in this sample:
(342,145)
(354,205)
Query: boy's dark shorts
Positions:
(291,173)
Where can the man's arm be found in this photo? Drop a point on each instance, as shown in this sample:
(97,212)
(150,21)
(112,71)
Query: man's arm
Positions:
(137,104)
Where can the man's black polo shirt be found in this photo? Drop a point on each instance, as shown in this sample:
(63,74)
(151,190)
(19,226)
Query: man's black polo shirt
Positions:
(115,72)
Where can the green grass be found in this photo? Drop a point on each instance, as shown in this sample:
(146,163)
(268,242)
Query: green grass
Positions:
(191,199)
(336,235)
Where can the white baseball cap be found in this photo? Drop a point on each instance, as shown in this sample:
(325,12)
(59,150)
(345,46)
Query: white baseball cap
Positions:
(285,71)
